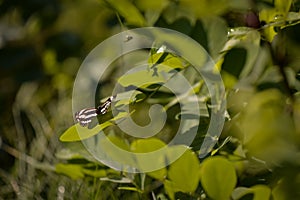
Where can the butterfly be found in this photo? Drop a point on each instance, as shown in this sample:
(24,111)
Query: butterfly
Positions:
(85,116)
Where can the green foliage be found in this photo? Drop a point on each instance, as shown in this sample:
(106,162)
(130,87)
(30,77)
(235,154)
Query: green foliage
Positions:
(279,15)
(255,46)
(183,174)
(274,127)
(73,171)
(125,8)
(77,132)
(218,177)
(258,191)
(203,8)
(149,145)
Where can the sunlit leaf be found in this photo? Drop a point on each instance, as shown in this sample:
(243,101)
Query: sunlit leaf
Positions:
(275,17)
(239,192)
(229,80)
(176,12)
(144,78)
(74,150)
(148,146)
(117,150)
(119,142)
(159,174)
(152,9)
(184,172)
(260,192)
(74,171)
(170,189)
(68,154)
(128,97)
(218,177)
(270,16)
(267,128)
(283,5)
(202,8)
(220,147)
(77,132)
(128,11)
(95,173)
(152,5)
(168,59)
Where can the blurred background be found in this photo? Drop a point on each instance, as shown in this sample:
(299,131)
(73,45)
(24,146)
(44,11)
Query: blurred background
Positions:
(43,43)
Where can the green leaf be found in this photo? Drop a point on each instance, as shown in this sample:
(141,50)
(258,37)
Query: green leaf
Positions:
(95,173)
(202,8)
(74,150)
(283,5)
(229,80)
(130,189)
(243,46)
(239,192)
(159,174)
(152,5)
(170,189)
(128,97)
(115,149)
(275,17)
(218,177)
(184,172)
(148,146)
(260,192)
(74,171)
(119,142)
(168,59)
(77,132)
(287,187)
(227,139)
(176,12)
(152,9)
(270,16)
(144,78)
(268,128)
(126,9)
(216,32)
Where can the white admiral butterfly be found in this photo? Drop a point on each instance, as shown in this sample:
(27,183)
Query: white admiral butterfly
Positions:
(85,116)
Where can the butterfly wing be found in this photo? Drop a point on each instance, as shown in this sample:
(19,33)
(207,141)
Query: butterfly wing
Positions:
(85,116)
(105,106)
